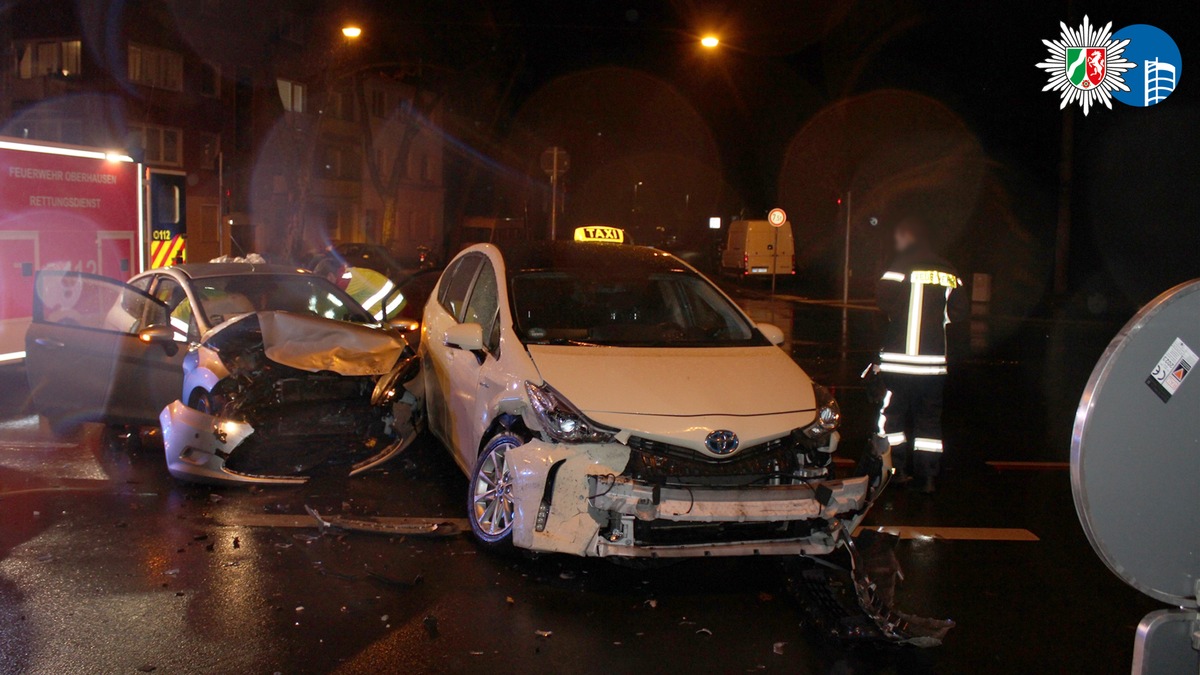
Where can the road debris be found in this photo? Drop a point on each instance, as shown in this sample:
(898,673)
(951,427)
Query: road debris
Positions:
(431,625)
(543,633)
(704,631)
(778,648)
(393,527)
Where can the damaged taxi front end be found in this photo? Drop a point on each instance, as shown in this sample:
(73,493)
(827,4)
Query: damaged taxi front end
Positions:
(605,483)
(281,395)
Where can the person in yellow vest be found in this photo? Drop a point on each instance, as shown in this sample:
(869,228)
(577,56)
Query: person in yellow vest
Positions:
(375,292)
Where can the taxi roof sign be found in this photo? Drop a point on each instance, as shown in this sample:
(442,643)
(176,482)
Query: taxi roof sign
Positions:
(602,233)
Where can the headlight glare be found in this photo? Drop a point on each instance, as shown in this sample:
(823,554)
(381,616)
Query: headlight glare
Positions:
(561,420)
(829,414)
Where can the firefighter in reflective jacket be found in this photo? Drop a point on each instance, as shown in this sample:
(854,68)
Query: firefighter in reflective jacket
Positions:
(920,293)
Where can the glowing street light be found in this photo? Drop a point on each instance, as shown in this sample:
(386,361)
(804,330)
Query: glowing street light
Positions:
(351,32)
(710,41)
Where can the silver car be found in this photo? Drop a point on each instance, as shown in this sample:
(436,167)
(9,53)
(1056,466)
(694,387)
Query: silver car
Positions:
(256,373)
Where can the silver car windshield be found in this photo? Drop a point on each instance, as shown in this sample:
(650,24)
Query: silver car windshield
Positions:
(604,307)
(222,298)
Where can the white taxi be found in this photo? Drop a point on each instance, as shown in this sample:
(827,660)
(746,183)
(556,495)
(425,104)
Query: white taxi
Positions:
(609,401)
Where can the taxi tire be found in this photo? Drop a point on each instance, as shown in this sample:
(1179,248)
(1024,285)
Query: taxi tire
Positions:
(503,441)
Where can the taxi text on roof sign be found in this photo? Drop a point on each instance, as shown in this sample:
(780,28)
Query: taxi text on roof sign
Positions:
(612,235)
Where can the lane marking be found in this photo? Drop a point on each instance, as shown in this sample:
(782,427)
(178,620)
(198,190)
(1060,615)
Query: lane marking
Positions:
(1029,466)
(55,488)
(953,533)
(306,521)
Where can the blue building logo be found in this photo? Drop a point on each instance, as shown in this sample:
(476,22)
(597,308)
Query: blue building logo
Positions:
(1091,66)
(1157,57)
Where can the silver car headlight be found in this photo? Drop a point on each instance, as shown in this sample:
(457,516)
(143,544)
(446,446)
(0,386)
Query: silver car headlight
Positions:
(829,414)
(561,420)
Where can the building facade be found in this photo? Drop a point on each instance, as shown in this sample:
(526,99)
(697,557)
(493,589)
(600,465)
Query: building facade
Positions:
(251,111)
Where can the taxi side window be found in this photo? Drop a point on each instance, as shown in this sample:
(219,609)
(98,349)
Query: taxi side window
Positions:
(483,306)
(182,318)
(452,294)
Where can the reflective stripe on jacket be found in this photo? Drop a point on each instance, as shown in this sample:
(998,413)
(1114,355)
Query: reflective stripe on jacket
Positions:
(920,293)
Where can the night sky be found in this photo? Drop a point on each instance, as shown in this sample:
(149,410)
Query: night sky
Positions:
(543,73)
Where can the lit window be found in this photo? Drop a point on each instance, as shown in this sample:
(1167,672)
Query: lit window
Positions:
(38,59)
(292,95)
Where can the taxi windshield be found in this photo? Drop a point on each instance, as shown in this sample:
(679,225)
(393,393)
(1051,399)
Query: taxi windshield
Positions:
(607,307)
(224,297)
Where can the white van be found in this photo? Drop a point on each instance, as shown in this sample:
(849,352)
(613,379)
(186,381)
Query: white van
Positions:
(755,247)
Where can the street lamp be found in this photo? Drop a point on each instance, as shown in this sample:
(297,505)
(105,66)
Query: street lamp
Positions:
(710,41)
(351,32)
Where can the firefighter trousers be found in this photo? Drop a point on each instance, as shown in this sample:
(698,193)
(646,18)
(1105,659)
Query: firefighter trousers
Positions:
(910,420)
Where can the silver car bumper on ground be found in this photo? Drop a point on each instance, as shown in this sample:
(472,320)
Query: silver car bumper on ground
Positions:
(573,499)
(197,446)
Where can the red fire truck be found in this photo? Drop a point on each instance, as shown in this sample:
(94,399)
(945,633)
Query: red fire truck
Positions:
(84,209)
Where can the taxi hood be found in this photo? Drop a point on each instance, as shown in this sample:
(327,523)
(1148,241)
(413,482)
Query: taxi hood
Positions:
(676,382)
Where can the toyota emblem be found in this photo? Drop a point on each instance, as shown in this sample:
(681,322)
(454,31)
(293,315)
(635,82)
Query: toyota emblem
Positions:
(721,442)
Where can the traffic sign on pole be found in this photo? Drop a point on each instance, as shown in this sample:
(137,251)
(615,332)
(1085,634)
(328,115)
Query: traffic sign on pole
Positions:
(777,217)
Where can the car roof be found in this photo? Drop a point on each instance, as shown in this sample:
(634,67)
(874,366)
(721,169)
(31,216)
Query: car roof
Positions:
(549,255)
(206,270)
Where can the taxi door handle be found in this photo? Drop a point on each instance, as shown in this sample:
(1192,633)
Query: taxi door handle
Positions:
(48,342)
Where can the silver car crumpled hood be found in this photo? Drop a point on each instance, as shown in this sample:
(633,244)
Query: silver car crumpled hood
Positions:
(317,344)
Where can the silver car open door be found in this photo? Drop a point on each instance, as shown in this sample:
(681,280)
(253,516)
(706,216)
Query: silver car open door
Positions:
(100,350)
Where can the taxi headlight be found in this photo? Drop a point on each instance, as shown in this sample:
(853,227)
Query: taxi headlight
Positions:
(829,415)
(561,420)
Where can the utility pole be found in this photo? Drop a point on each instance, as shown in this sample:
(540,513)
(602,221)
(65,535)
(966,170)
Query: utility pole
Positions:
(1062,233)
(555,161)
(846,283)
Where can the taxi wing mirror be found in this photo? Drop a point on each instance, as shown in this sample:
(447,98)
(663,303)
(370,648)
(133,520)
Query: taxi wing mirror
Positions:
(467,336)
(773,333)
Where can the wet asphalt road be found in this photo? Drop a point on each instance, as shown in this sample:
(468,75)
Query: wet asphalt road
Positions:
(109,566)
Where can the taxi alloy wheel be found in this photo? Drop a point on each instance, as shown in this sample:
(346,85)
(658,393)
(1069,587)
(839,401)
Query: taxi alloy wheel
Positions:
(490,506)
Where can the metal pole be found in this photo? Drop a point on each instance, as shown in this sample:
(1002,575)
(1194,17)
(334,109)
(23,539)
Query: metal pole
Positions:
(774,260)
(846,283)
(1062,232)
(554,194)
(220,203)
